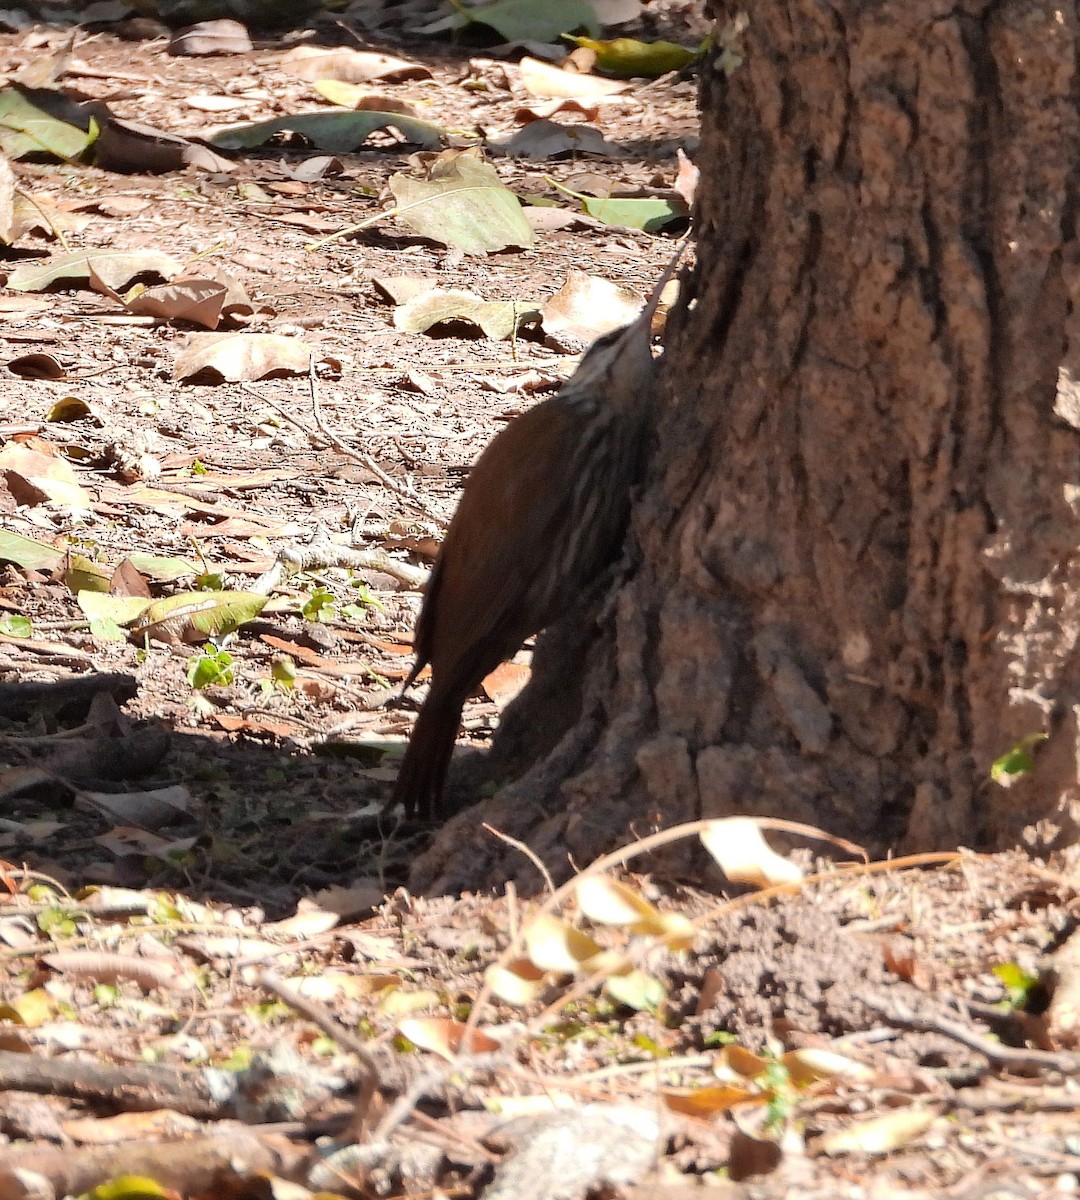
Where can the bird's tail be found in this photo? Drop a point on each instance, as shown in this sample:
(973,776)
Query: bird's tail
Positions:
(420,781)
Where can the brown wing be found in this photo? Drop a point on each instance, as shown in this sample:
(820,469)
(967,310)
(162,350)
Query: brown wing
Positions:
(477,611)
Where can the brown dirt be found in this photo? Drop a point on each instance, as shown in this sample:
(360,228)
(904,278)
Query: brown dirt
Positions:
(280,787)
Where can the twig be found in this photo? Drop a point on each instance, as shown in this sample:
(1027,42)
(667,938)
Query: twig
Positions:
(370,1071)
(407,494)
(1017,1057)
(529,853)
(322,552)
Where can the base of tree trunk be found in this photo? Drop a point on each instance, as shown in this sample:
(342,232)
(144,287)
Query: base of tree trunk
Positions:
(858,580)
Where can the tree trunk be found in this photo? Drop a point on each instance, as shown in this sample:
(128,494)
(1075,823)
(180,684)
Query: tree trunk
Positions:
(853,580)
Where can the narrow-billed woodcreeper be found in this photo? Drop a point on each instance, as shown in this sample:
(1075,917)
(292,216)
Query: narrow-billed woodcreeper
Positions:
(543,512)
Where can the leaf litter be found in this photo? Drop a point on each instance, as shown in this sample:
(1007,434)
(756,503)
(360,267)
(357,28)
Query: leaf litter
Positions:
(163,824)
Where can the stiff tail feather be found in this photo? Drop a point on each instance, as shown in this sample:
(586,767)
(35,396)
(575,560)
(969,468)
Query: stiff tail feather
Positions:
(420,780)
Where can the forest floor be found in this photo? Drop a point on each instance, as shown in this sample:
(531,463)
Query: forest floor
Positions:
(187,844)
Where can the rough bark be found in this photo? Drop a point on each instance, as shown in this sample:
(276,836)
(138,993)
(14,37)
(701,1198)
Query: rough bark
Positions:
(856,581)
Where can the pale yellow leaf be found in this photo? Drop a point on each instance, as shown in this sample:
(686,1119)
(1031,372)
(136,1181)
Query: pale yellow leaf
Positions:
(443,1036)
(880,1135)
(743,854)
(555,945)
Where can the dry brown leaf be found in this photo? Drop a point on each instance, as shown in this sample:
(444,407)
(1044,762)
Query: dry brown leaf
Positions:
(308,921)
(211,37)
(541,112)
(113,968)
(586,307)
(443,1036)
(519,982)
(34,477)
(125,841)
(543,139)
(686,180)
(350,66)
(555,945)
(706,1102)
(242,356)
(199,301)
(879,1135)
(130,1126)
(37,366)
(505,683)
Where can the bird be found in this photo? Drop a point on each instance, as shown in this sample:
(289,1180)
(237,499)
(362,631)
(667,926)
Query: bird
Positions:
(543,513)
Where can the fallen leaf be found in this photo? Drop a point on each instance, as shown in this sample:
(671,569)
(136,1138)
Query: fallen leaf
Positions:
(350,66)
(879,1135)
(737,845)
(242,356)
(339,132)
(32,477)
(626,57)
(114,268)
(505,683)
(542,79)
(199,301)
(686,181)
(26,553)
(555,945)
(196,616)
(519,982)
(444,1037)
(549,139)
(400,289)
(649,214)
(37,366)
(706,1102)
(586,307)
(496,319)
(355,96)
(155,809)
(26,127)
(211,37)
(636,989)
(462,203)
(102,967)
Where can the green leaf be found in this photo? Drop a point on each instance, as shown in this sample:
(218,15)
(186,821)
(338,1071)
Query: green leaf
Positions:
(113,267)
(1016,762)
(496,319)
(100,606)
(334,132)
(27,129)
(637,990)
(523,20)
(319,606)
(1016,981)
(15,625)
(162,570)
(102,629)
(463,203)
(628,57)
(84,575)
(211,668)
(26,553)
(283,672)
(196,616)
(128,1187)
(650,214)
